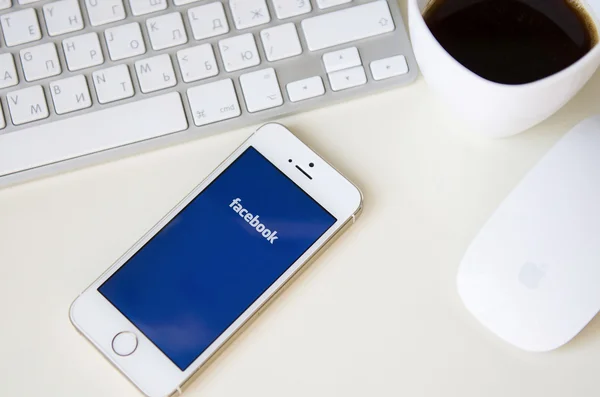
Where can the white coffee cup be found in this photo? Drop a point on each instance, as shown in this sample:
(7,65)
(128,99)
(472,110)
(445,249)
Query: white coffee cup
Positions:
(493,109)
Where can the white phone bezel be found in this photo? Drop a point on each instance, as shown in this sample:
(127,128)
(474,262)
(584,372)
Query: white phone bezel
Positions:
(150,369)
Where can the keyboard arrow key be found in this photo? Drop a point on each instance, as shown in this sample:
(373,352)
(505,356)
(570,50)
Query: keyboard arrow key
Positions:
(348,78)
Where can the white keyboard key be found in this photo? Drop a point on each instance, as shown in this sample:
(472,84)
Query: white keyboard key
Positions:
(166,31)
(291,8)
(239,52)
(331,3)
(155,73)
(342,59)
(389,67)
(305,89)
(63,17)
(197,63)
(83,51)
(8,73)
(183,2)
(91,132)
(70,94)
(347,78)
(27,105)
(20,27)
(347,25)
(213,102)
(2,122)
(142,7)
(125,41)
(261,90)
(208,20)
(102,12)
(113,84)
(22,2)
(249,13)
(5,4)
(281,42)
(40,62)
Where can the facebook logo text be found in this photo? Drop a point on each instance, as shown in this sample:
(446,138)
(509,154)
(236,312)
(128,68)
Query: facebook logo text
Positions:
(253,220)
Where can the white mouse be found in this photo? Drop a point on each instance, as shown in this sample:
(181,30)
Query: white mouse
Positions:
(532,275)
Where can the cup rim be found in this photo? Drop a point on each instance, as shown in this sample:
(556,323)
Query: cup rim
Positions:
(414,4)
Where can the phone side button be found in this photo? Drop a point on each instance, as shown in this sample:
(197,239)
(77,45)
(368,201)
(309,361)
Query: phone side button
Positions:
(124,343)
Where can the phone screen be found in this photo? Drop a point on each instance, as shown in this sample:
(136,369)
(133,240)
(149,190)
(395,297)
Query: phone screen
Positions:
(197,275)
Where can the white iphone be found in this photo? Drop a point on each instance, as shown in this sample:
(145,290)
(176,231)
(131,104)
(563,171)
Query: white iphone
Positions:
(171,301)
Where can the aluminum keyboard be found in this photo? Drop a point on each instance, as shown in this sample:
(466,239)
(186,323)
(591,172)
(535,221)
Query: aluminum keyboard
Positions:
(87,81)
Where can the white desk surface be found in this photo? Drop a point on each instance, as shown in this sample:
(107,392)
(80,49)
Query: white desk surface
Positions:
(376,315)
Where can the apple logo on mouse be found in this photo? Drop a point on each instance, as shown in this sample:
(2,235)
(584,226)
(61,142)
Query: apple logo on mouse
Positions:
(532,274)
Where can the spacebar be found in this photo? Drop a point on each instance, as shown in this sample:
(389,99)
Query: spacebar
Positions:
(91,132)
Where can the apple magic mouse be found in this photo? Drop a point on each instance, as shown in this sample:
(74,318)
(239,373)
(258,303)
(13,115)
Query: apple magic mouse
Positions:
(532,275)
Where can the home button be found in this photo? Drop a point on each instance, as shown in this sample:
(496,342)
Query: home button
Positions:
(124,343)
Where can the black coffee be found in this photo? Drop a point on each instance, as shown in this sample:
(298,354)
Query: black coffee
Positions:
(512,41)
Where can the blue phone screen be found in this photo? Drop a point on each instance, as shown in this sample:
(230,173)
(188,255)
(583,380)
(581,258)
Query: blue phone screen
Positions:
(196,276)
